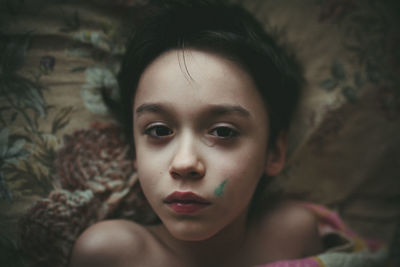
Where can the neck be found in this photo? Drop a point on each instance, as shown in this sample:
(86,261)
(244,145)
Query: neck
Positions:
(215,251)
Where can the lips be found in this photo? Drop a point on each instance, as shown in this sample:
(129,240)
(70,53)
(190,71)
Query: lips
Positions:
(186,202)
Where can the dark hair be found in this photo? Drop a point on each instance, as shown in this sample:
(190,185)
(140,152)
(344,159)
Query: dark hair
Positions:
(212,26)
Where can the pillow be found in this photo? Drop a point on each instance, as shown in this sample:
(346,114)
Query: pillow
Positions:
(65,164)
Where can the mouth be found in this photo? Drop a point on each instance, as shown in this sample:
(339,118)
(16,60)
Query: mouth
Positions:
(186,202)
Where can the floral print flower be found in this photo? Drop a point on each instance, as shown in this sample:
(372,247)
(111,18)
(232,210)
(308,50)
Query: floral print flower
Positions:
(95,158)
(11,152)
(50,227)
(98,159)
(47,64)
(98,181)
(98,79)
(96,38)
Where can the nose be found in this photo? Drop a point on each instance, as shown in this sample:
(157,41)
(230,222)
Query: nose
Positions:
(186,163)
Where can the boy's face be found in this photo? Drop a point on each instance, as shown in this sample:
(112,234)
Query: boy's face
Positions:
(201,132)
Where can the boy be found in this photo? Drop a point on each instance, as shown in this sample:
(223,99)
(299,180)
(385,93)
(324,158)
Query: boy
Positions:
(207,96)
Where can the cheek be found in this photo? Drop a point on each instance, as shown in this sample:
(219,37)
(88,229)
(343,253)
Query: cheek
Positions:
(147,160)
(247,161)
(149,171)
(242,171)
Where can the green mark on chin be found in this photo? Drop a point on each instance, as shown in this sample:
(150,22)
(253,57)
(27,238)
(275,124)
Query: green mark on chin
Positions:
(220,189)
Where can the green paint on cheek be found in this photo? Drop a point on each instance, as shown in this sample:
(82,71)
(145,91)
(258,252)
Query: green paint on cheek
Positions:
(220,189)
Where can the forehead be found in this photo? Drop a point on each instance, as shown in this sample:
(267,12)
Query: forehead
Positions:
(197,76)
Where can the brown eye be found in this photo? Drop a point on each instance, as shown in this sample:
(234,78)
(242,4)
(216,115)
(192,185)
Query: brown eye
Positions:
(158,131)
(224,132)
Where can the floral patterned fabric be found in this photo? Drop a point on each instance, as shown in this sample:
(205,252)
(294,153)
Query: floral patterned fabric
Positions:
(64,163)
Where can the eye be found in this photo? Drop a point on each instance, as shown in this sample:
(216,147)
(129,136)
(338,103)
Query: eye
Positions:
(158,131)
(224,132)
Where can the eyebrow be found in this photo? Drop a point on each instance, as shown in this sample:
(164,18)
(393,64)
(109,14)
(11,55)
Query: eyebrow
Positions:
(150,108)
(219,110)
(213,110)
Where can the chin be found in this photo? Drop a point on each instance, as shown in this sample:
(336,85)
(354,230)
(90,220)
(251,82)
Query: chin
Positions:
(189,231)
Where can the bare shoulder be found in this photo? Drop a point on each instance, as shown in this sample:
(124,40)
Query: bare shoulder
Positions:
(294,216)
(109,243)
(291,229)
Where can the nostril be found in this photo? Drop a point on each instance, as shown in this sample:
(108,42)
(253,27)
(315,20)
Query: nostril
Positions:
(182,174)
(175,174)
(193,173)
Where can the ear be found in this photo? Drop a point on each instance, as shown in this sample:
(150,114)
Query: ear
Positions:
(276,157)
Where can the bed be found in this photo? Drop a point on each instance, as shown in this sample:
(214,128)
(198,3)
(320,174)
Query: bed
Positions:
(65,164)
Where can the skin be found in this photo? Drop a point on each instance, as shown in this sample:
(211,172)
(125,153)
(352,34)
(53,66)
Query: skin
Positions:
(200,126)
(194,109)
(220,189)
